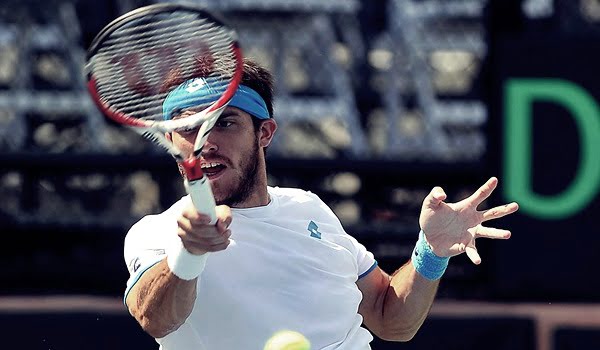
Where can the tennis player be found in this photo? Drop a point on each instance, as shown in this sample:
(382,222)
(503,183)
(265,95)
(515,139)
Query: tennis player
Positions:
(278,258)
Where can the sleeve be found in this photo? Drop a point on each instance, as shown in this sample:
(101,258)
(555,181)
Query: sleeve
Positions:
(145,245)
(365,261)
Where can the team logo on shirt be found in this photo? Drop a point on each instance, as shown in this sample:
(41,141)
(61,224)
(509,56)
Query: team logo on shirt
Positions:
(136,263)
(314,230)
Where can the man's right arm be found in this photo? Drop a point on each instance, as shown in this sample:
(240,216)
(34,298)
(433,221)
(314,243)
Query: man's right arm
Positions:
(161,301)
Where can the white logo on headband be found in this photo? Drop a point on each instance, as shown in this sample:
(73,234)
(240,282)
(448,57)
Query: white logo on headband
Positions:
(195,85)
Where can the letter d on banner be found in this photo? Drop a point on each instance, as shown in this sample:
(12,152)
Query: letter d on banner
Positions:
(519,97)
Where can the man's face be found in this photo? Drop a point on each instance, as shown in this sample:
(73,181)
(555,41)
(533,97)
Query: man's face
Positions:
(230,156)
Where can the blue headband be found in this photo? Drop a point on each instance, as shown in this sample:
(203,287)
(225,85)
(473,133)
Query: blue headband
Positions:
(197,92)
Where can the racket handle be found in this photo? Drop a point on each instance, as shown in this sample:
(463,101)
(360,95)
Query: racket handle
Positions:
(202,197)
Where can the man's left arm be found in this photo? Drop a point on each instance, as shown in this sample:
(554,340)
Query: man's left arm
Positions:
(394,307)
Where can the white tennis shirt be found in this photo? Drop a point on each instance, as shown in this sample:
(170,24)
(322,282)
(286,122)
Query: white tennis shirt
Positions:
(292,266)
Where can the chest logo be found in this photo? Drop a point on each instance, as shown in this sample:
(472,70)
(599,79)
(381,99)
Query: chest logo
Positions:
(314,230)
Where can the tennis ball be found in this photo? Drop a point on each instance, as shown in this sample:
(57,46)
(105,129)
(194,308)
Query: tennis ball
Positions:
(287,340)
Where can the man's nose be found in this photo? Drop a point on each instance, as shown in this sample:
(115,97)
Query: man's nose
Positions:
(209,146)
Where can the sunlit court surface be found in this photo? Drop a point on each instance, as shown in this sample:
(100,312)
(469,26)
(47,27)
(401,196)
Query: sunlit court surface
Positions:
(375,104)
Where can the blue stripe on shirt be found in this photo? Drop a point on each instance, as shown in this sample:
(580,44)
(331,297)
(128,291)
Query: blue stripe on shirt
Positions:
(135,280)
(369,270)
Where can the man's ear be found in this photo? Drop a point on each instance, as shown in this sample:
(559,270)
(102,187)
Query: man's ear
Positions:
(168,136)
(267,131)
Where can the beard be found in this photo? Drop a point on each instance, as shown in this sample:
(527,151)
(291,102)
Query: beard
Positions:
(248,180)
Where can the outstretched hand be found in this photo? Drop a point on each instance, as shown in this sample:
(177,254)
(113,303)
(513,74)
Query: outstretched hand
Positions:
(451,228)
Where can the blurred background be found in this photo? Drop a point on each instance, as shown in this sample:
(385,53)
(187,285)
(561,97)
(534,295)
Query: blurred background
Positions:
(377,101)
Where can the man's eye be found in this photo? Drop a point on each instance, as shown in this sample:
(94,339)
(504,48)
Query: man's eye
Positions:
(223,123)
(187,131)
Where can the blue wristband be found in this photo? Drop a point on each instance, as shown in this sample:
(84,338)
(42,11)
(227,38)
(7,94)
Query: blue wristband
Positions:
(426,262)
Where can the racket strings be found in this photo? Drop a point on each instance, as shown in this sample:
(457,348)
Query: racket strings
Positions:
(135,89)
(188,58)
(140,106)
(149,43)
(222,66)
(157,27)
(216,42)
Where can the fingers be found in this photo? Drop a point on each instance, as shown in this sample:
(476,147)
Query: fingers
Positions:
(199,236)
(483,192)
(209,236)
(490,232)
(223,216)
(200,240)
(498,212)
(190,213)
(473,255)
(484,232)
(435,197)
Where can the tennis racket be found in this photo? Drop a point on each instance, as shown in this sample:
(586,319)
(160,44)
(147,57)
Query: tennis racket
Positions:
(134,58)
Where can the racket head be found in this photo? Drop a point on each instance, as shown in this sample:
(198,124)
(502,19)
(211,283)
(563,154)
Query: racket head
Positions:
(134,61)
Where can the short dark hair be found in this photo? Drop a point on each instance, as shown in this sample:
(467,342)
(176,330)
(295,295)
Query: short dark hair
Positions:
(260,80)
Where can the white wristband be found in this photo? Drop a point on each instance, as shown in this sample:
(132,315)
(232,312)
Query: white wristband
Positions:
(184,264)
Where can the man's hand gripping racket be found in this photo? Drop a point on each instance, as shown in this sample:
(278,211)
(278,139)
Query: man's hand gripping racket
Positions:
(138,58)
